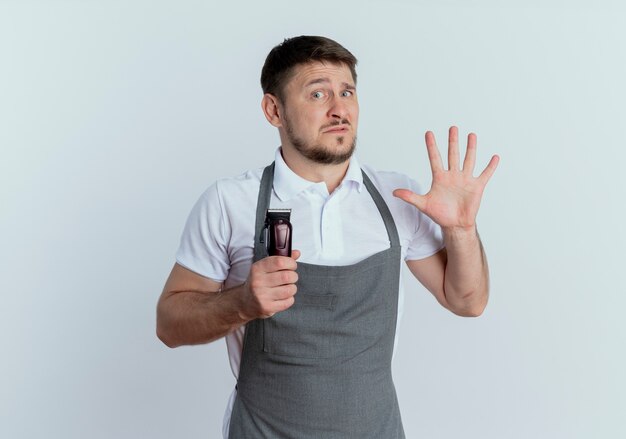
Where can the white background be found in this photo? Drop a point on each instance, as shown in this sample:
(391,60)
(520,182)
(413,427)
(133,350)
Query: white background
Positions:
(116,115)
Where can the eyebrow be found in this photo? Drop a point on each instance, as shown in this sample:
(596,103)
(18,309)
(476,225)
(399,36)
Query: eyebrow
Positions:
(326,80)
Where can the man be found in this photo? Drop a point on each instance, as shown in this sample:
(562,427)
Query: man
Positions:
(311,337)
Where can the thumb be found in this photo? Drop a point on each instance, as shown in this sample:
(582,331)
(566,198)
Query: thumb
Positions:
(295,254)
(411,197)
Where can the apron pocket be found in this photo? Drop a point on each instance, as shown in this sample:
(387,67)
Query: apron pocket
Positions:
(303,330)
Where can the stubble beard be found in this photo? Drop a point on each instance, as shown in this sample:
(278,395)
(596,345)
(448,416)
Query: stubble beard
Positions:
(320,153)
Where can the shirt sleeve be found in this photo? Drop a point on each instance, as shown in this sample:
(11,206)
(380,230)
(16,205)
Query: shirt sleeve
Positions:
(203,244)
(427,238)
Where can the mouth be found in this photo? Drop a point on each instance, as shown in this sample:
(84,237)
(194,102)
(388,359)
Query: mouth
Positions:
(339,129)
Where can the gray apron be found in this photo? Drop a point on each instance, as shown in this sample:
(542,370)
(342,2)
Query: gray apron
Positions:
(322,368)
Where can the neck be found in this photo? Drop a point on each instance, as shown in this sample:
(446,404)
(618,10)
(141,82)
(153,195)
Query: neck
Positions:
(332,175)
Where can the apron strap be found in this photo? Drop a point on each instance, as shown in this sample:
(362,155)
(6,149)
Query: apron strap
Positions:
(390,224)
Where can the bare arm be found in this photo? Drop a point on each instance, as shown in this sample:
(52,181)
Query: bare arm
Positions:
(457,276)
(193,309)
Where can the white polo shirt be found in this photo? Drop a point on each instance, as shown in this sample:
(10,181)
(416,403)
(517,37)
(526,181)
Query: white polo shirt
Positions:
(341,228)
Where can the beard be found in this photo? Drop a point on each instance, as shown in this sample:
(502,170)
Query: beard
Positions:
(319,153)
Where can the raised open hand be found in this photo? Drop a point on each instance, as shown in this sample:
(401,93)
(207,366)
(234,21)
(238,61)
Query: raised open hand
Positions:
(455,194)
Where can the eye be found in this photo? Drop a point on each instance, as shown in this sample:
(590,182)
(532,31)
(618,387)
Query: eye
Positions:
(317,95)
(346,93)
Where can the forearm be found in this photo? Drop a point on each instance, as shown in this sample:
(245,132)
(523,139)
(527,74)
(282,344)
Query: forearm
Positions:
(195,317)
(466,281)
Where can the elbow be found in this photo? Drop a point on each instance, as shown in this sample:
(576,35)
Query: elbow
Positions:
(469,307)
(475,311)
(165,337)
(165,333)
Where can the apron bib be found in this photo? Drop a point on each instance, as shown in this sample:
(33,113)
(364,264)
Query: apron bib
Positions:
(322,368)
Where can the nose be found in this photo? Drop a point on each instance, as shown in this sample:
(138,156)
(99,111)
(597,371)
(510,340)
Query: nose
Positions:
(338,108)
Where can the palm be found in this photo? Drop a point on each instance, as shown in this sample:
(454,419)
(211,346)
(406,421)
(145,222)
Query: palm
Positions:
(455,194)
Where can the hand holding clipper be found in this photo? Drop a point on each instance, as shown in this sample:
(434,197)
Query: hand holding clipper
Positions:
(271,285)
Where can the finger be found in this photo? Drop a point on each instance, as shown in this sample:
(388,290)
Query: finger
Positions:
(279,278)
(489,170)
(453,149)
(411,197)
(282,305)
(433,152)
(278,263)
(276,307)
(470,154)
(295,254)
(284,292)
(281,300)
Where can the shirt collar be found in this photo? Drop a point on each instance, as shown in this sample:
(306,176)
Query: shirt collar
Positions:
(288,184)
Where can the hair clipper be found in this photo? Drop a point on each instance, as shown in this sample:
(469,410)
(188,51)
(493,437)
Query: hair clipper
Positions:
(278,232)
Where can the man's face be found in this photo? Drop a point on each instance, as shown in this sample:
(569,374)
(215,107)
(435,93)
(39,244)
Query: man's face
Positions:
(321,112)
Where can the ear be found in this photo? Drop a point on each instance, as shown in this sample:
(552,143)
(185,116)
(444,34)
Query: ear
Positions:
(271,108)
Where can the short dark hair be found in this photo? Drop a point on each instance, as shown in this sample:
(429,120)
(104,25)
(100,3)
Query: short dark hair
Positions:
(282,59)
